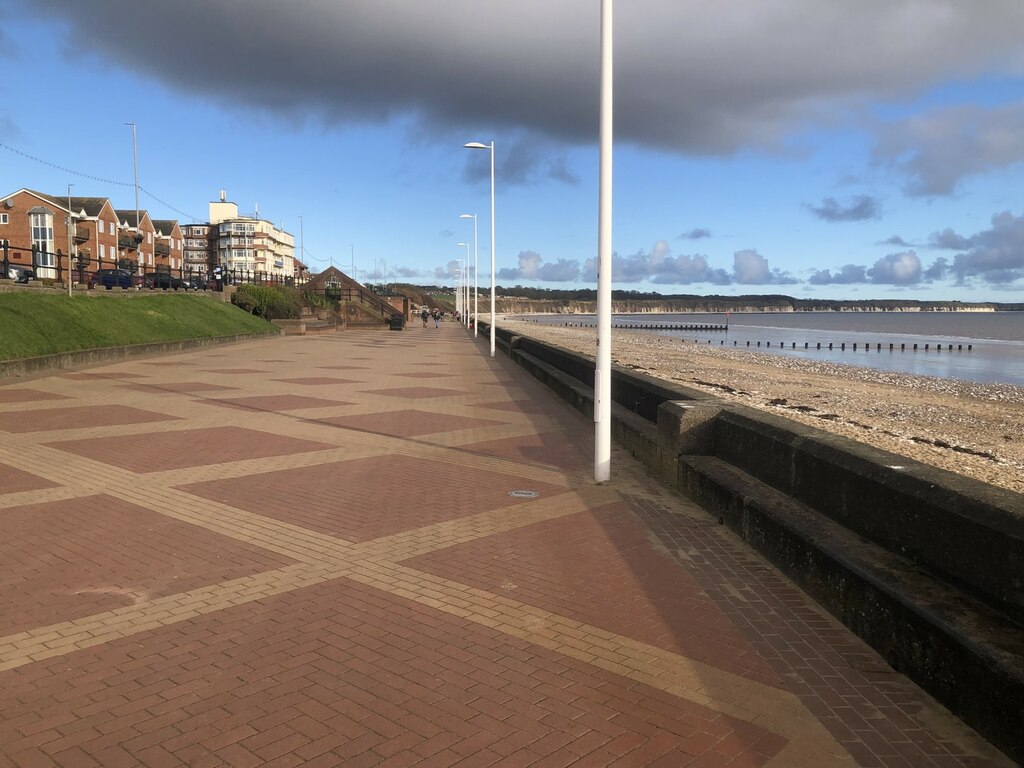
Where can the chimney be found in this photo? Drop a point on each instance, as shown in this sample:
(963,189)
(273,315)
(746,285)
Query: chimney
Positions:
(223,195)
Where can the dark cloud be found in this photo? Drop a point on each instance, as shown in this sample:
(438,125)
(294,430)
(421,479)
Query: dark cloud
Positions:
(532,67)
(446,233)
(995,255)
(935,151)
(407,272)
(896,240)
(949,240)
(523,161)
(695,234)
(448,272)
(751,268)
(938,270)
(859,208)
(850,274)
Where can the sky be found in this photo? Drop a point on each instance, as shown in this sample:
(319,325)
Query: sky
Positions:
(848,149)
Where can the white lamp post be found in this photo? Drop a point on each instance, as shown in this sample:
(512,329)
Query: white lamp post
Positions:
(603,358)
(476,275)
(69,239)
(478,145)
(465,289)
(458,289)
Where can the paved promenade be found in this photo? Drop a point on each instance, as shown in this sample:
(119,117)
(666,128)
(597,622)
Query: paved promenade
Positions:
(386,549)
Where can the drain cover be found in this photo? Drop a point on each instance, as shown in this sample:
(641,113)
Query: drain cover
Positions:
(524,494)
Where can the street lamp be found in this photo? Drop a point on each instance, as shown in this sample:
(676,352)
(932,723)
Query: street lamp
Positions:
(465,287)
(478,145)
(476,275)
(69,239)
(603,357)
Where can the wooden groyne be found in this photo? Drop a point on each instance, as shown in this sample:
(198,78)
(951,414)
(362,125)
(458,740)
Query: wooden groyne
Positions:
(855,346)
(650,326)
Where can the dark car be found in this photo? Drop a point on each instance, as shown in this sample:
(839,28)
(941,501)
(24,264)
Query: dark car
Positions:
(197,283)
(111,278)
(163,280)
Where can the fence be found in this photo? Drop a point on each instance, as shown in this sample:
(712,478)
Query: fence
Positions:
(57,266)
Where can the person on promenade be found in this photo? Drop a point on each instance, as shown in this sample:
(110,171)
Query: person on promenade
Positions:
(437,317)
(424,315)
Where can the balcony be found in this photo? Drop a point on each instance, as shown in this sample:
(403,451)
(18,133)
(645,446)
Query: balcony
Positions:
(127,243)
(81,234)
(162,249)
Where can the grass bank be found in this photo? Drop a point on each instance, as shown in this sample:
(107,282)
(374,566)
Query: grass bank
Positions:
(34,325)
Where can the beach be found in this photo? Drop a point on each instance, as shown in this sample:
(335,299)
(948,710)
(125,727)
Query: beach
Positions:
(973,429)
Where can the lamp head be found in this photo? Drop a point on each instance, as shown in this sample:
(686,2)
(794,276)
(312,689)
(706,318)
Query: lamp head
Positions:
(462,244)
(476,145)
(467,215)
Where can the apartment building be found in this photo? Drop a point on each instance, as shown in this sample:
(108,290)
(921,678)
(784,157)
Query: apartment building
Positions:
(136,238)
(199,257)
(30,218)
(248,243)
(168,248)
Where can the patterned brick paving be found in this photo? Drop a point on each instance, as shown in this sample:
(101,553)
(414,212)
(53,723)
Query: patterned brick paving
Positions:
(408,423)
(159,451)
(274,402)
(73,558)
(248,582)
(17,395)
(44,420)
(14,480)
(368,498)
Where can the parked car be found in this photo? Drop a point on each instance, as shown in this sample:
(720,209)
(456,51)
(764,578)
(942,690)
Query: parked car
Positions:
(163,280)
(197,283)
(20,274)
(111,278)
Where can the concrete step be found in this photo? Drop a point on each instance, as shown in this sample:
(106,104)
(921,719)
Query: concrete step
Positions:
(961,650)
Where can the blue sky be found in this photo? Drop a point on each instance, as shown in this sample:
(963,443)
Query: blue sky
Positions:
(849,149)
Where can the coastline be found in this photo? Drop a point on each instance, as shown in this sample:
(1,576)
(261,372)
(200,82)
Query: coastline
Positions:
(973,429)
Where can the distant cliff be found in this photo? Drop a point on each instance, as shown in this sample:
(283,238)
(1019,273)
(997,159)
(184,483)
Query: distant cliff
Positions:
(718,304)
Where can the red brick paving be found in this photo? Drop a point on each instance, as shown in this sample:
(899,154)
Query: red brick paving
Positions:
(352,676)
(314,380)
(416,393)
(408,423)
(178,386)
(612,626)
(273,402)
(159,451)
(14,480)
(364,499)
(550,448)
(46,419)
(599,567)
(67,559)
(17,395)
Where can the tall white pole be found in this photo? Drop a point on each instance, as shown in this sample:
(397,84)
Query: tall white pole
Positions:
(493,318)
(476,282)
(478,145)
(603,372)
(69,239)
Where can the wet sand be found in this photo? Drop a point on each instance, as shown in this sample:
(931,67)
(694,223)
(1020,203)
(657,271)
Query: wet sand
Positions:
(973,429)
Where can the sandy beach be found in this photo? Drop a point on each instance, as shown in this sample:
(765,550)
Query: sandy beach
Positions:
(973,429)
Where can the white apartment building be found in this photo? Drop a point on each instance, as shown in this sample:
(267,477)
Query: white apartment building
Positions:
(249,243)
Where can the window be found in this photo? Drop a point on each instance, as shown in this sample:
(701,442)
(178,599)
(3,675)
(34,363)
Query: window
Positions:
(42,236)
(99,226)
(3,218)
(149,237)
(103,250)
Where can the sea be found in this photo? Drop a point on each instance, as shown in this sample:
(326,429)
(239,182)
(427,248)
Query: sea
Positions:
(987,347)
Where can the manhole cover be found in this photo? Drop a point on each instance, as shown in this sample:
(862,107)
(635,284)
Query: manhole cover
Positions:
(524,494)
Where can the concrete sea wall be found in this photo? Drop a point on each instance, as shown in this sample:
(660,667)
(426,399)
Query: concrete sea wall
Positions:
(924,565)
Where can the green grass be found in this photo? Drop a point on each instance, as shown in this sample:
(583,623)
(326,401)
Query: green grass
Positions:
(37,324)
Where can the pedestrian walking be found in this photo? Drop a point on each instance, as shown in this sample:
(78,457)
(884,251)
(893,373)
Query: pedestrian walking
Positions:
(424,315)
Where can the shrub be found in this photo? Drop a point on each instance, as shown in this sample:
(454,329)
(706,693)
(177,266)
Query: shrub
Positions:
(271,302)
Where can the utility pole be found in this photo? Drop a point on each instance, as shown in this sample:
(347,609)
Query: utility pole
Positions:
(69,240)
